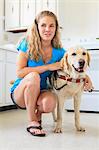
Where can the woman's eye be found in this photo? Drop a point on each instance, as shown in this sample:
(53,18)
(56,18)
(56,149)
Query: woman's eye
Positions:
(84,53)
(52,25)
(74,54)
(43,25)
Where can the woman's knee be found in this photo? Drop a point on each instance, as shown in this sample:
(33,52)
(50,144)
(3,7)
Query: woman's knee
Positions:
(33,79)
(33,76)
(49,103)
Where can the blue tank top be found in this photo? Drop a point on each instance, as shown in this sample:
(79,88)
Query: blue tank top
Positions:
(57,54)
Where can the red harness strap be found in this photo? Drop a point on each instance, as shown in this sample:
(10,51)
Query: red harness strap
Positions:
(71,79)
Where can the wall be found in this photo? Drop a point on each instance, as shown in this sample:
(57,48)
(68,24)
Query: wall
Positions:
(80,20)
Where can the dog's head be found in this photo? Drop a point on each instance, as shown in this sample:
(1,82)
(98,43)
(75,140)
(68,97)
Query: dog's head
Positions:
(76,59)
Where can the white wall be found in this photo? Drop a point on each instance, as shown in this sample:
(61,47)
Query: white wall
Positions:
(80,18)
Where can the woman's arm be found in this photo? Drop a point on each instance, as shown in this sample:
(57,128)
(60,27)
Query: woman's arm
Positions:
(22,69)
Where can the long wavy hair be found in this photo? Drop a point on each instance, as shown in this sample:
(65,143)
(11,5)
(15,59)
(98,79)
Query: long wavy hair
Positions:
(33,36)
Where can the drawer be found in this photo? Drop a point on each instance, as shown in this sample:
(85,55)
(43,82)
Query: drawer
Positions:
(11,57)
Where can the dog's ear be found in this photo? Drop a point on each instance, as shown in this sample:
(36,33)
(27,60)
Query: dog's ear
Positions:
(88,58)
(64,62)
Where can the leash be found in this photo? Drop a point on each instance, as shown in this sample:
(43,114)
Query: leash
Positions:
(59,88)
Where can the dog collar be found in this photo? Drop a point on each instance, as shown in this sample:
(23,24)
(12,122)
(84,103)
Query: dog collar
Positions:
(71,79)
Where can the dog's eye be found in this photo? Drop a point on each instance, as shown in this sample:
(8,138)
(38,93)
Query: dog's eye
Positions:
(84,53)
(73,54)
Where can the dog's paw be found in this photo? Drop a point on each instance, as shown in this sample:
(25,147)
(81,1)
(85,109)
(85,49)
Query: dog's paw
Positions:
(57,130)
(81,129)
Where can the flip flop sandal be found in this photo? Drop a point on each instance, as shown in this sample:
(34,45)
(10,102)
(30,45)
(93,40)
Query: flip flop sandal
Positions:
(33,133)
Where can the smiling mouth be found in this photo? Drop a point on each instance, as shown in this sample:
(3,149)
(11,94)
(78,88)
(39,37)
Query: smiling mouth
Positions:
(79,69)
(47,34)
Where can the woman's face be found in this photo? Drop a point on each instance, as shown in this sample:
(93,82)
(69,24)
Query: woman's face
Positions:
(47,28)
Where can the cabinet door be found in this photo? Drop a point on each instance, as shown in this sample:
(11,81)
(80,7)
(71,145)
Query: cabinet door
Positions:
(11,14)
(46,5)
(2,79)
(10,74)
(39,6)
(1,83)
(27,12)
(52,5)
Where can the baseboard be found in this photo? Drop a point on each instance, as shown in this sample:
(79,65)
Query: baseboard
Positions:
(82,111)
(9,107)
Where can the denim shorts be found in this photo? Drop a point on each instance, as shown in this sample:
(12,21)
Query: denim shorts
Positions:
(13,99)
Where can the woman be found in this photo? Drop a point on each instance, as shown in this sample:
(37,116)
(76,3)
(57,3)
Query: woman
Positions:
(40,53)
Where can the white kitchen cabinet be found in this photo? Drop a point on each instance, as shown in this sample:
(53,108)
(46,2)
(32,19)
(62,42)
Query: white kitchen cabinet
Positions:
(1,68)
(2,71)
(8,69)
(46,5)
(27,12)
(52,5)
(19,14)
(11,14)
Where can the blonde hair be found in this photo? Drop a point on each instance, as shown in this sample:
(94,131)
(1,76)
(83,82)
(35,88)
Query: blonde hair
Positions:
(33,37)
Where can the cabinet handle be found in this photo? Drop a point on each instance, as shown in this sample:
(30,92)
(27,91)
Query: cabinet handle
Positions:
(12,9)
(28,6)
(47,3)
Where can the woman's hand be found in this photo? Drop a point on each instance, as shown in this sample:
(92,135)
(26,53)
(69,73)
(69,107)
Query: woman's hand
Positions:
(54,66)
(88,86)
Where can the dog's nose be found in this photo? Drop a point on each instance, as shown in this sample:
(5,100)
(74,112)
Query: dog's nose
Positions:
(81,62)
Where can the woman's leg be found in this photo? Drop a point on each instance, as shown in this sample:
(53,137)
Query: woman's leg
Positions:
(26,95)
(46,102)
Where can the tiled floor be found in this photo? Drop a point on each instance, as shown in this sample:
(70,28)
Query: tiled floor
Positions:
(13,135)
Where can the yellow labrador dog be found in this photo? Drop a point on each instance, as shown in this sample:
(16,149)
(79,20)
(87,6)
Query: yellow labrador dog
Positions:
(69,82)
